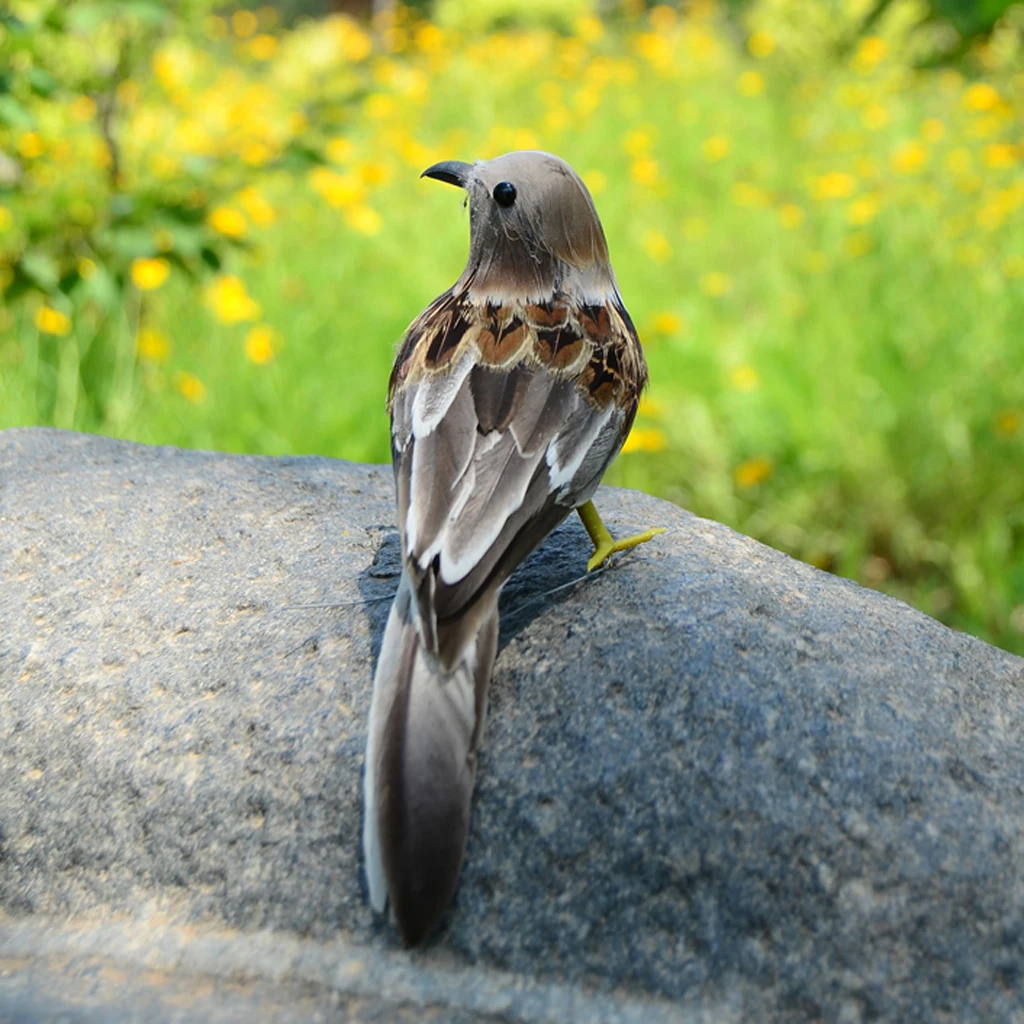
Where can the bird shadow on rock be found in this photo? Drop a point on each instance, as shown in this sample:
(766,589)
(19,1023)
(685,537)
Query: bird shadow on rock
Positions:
(548,577)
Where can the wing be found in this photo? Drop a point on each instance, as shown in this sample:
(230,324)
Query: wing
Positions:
(503,421)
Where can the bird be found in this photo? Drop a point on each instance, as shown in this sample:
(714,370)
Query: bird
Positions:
(510,395)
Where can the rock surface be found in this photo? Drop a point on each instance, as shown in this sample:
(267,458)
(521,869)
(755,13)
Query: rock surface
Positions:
(717,784)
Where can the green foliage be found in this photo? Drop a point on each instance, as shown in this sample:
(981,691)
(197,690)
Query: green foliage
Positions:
(85,216)
(487,15)
(824,253)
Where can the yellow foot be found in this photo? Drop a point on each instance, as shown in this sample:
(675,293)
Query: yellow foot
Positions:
(604,545)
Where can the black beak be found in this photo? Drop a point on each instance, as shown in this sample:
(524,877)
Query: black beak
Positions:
(454,172)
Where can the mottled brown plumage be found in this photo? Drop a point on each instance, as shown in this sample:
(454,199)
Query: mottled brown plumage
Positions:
(595,345)
(510,394)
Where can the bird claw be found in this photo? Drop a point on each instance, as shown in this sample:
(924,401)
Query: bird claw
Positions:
(604,544)
(602,552)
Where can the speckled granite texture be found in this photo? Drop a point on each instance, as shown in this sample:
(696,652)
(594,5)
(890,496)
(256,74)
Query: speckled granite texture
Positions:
(717,784)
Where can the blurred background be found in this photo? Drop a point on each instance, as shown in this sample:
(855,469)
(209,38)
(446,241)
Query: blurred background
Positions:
(213,233)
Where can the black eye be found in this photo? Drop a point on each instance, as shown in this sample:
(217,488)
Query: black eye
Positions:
(504,193)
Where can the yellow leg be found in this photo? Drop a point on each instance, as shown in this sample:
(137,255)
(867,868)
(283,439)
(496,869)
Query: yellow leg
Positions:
(604,545)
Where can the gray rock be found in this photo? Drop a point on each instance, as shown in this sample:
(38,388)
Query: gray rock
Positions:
(717,784)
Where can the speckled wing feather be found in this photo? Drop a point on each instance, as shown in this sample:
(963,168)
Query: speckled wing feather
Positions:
(503,420)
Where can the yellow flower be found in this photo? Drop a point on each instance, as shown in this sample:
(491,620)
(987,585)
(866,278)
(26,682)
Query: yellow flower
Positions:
(30,145)
(255,154)
(226,220)
(791,216)
(215,27)
(260,212)
(650,407)
(990,217)
(715,283)
(745,194)
(356,43)
(663,18)
(666,323)
(835,185)
(863,210)
(999,155)
(340,190)
(230,302)
(933,130)
(244,23)
(657,246)
(52,321)
(589,28)
(364,219)
(750,83)
(637,143)
(959,160)
(557,119)
(340,150)
(128,92)
(654,49)
(875,116)
(870,51)
(752,472)
(379,107)
(858,244)
(1013,265)
(189,385)
(149,274)
(744,378)
(163,166)
(261,344)
(429,38)
(1008,422)
(152,345)
(6,218)
(854,94)
(981,96)
(83,108)
(644,439)
(909,157)
(596,181)
(644,172)
(263,47)
(374,172)
(715,148)
(761,44)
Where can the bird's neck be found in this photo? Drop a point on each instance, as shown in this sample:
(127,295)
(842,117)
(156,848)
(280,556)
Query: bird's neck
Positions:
(541,281)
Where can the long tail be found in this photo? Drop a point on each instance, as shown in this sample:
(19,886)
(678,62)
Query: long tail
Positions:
(425,724)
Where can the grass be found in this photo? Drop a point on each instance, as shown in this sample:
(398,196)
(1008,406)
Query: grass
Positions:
(825,259)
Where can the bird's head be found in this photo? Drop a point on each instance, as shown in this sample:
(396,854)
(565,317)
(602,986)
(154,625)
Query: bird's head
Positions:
(534,230)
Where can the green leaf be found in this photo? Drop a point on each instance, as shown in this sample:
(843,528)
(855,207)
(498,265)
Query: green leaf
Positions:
(13,114)
(103,288)
(150,14)
(39,270)
(188,239)
(41,81)
(129,241)
(210,258)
